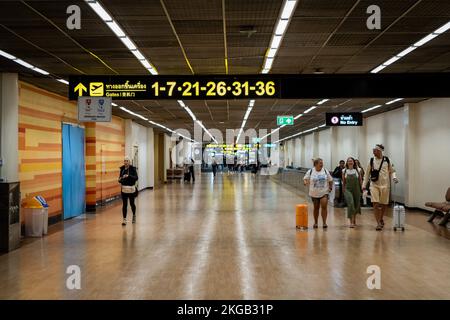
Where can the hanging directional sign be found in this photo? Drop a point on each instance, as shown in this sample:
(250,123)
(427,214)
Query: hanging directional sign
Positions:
(344,119)
(285,120)
(261,86)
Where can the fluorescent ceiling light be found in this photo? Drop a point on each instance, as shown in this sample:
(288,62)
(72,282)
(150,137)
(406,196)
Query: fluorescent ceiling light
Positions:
(272,52)
(181,103)
(100,11)
(321,126)
(191,113)
(406,51)
(378,69)
(281,27)
(153,71)
(114,104)
(276,40)
(138,54)
(394,101)
(247,114)
(322,101)
(372,108)
(288,9)
(442,29)
(116,29)
(298,116)
(7,55)
(310,109)
(264,71)
(391,61)
(251,103)
(426,39)
(128,43)
(63,81)
(23,63)
(41,71)
(146,64)
(268,63)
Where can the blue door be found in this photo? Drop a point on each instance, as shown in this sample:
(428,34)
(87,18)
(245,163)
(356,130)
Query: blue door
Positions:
(73,170)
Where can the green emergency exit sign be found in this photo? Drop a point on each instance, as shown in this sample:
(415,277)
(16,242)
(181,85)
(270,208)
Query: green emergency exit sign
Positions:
(285,120)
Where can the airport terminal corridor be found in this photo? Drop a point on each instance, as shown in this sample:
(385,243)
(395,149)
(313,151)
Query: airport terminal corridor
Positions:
(232,237)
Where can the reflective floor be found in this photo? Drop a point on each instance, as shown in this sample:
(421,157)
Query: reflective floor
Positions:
(232,238)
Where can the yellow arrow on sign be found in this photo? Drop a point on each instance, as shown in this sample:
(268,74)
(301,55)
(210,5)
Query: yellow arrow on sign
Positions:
(80,88)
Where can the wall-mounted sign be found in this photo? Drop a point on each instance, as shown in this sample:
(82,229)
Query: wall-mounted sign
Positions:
(350,119)
(94,109)
(285,120)
(261,86)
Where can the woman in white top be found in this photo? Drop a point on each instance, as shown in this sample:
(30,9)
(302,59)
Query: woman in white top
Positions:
(320,184)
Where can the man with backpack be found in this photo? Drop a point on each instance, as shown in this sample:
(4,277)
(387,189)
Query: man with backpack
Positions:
(379,172)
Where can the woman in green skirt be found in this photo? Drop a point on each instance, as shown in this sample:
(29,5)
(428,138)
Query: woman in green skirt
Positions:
(352,183)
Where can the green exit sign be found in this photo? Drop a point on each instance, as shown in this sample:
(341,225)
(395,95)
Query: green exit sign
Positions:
(285,120)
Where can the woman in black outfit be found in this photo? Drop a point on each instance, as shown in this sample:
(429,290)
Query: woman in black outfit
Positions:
(127,178)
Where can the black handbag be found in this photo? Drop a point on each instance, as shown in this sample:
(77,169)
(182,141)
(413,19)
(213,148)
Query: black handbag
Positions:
(374,173)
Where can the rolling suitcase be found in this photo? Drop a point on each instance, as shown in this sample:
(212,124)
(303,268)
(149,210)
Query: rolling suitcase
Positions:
(399,216)
(301,216)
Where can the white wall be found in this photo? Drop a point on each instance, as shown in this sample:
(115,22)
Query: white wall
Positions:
(324,148)
(297,153)
(429,149)
(416,138)
(139,136)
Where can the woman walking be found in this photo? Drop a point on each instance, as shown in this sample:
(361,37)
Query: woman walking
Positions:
(320,184)
(352,182)
(128,178)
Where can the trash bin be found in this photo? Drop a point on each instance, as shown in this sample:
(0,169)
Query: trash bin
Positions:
(36,217)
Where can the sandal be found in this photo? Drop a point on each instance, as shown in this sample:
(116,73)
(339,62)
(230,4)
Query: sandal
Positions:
(315,226)
(325,226)
(379,228)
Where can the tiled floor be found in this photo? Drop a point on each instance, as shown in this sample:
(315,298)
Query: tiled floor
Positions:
(233,238)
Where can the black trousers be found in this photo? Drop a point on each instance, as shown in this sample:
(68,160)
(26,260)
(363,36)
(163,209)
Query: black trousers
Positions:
(191,172)
(125,198)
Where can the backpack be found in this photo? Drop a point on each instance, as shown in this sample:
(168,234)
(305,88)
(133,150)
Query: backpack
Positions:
(374,173)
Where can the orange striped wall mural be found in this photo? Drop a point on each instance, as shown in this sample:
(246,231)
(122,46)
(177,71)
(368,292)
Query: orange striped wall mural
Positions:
(41,114)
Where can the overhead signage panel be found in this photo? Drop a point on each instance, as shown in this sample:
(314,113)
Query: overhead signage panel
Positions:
(261,86)
(177,88)
(344,119)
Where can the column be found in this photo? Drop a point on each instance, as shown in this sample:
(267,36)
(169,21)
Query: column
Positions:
(9,127)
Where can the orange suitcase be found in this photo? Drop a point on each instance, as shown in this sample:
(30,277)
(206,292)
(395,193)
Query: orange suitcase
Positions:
(301,216)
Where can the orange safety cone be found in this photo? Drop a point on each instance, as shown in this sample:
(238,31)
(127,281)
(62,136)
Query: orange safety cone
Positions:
(301,216)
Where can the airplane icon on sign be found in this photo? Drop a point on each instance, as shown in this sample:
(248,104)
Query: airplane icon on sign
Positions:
(96,89)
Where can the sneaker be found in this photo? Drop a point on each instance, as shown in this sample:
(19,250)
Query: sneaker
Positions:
(134,219)
(124,222)
(382,222)
(379,228)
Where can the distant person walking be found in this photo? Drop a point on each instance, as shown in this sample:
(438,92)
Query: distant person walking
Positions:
(128,178)
(214,167)
(379,172)
(351,182)
(191,169)
(320,184)
(337,173)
